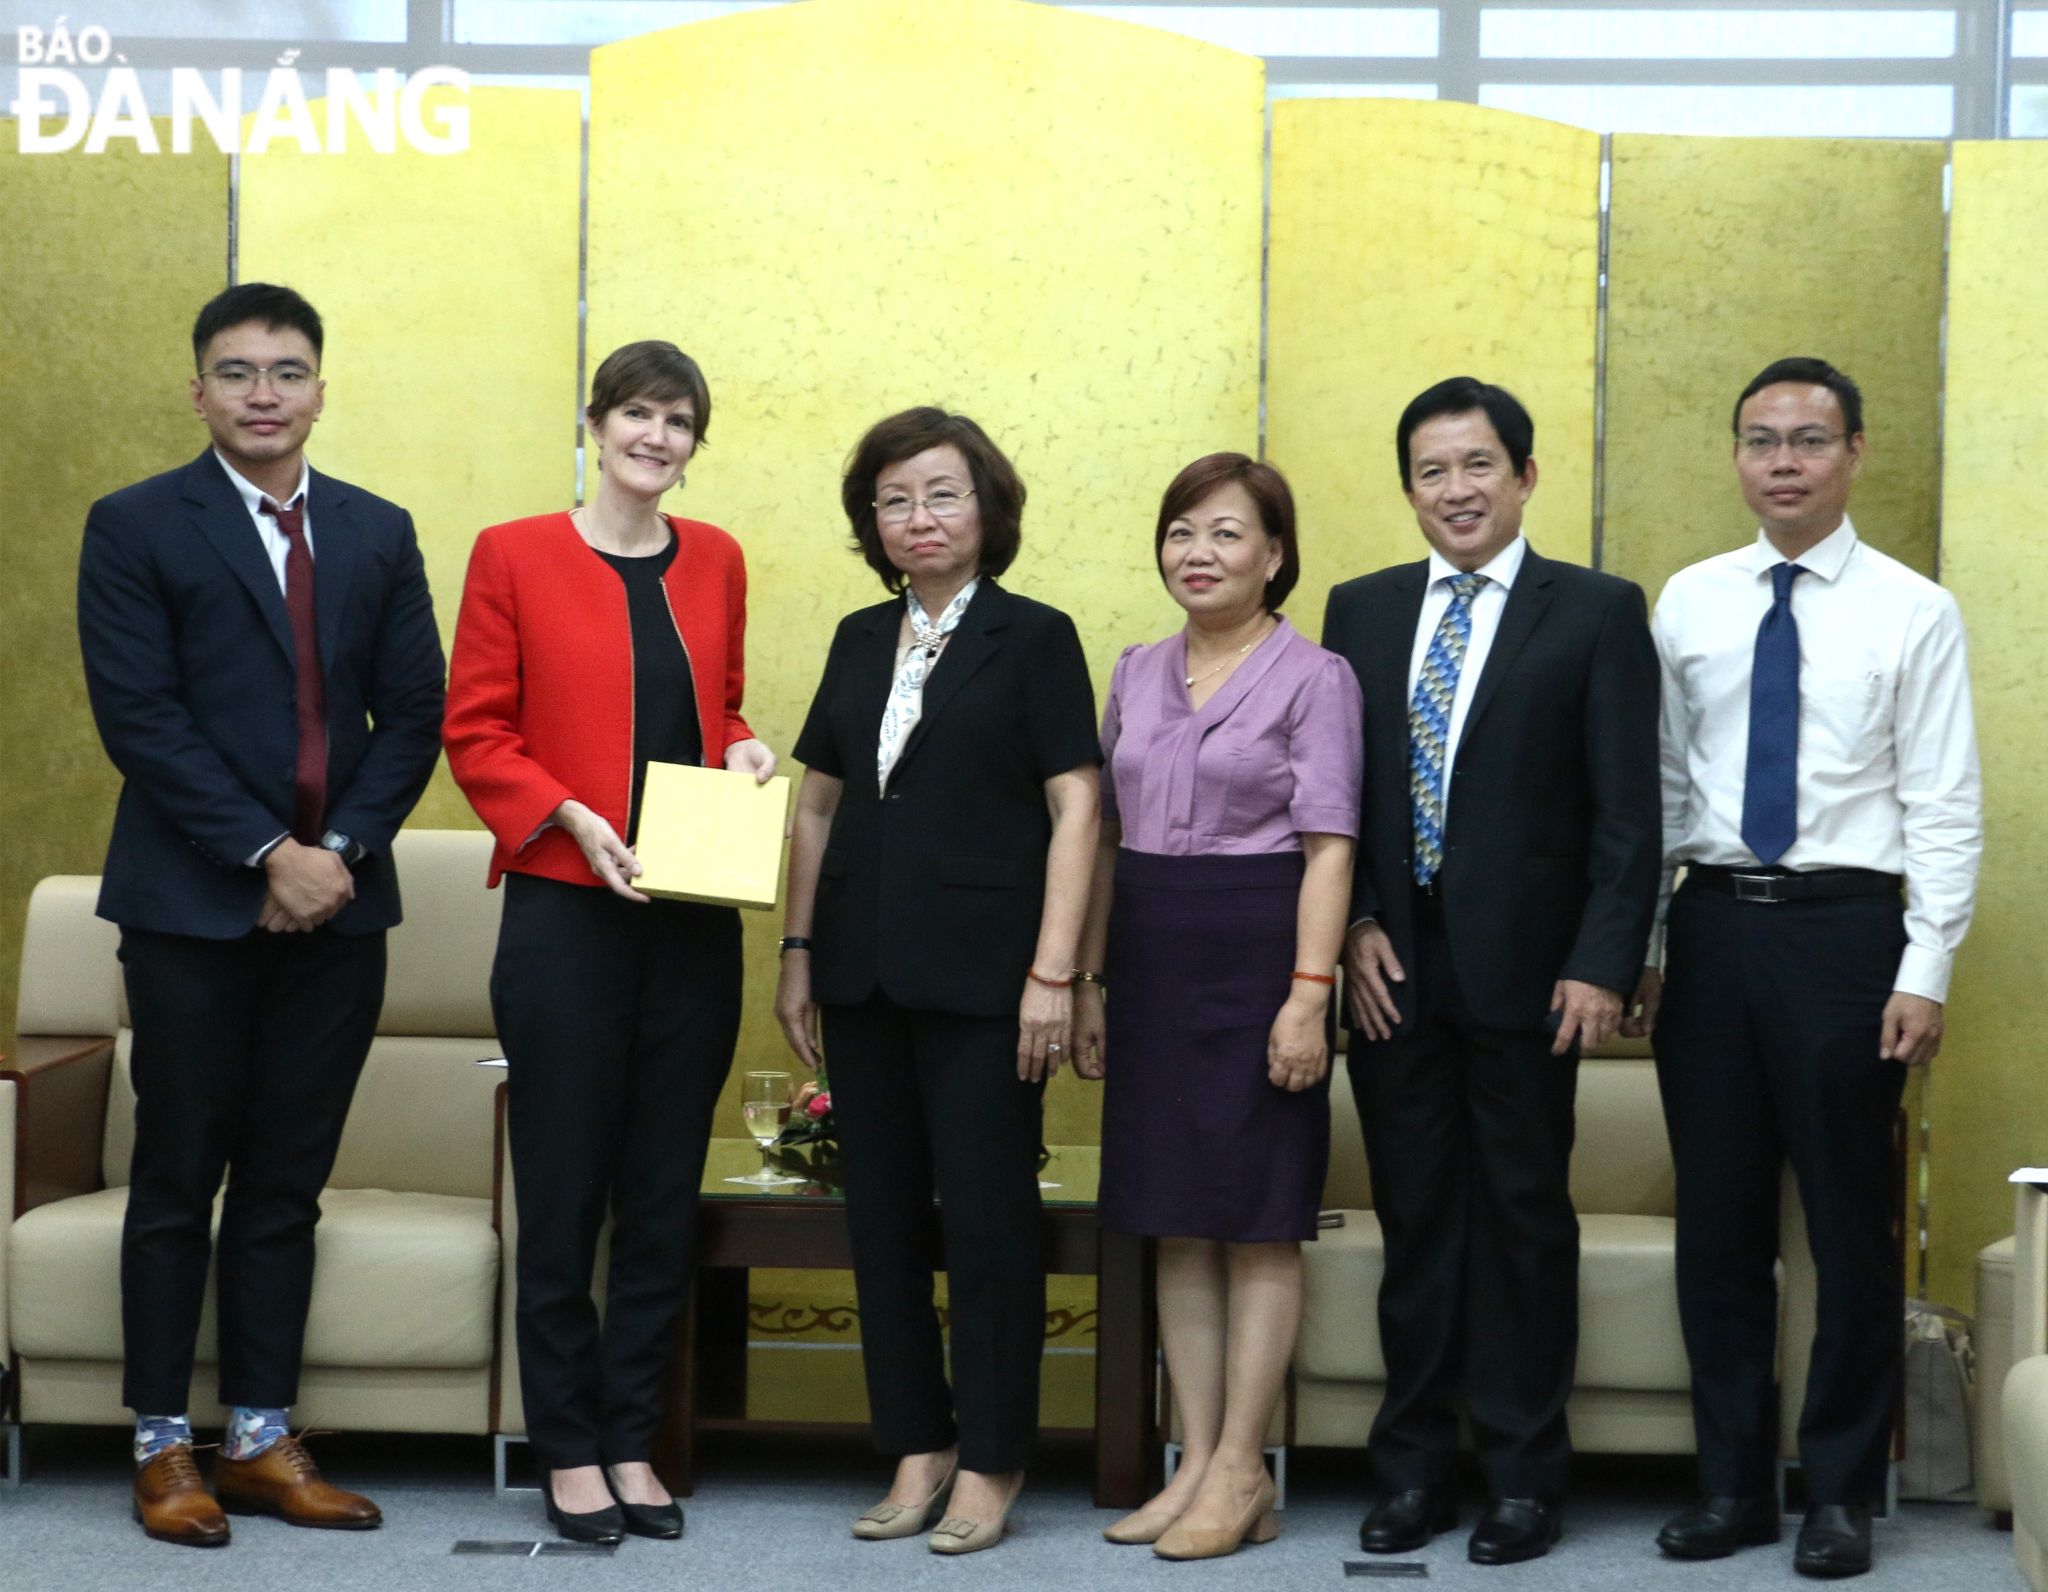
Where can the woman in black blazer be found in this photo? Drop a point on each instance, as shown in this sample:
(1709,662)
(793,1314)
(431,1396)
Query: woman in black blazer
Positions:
(938,875)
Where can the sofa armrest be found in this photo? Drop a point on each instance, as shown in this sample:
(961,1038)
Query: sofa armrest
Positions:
(2029,1271)
(6,1223)
(60,1114)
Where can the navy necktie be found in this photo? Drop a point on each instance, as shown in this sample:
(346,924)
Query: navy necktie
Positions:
(1770,786)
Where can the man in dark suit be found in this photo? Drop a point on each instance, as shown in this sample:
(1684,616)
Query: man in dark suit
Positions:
(264,669)
(1506,881)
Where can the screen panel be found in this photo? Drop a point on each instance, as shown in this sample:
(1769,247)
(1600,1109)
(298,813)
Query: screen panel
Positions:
(1066,249)
(1412,242)
(448,287)
(97,306)
(1990,1108)
(1711,277)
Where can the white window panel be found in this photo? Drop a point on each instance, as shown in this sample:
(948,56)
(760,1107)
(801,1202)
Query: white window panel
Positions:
(2030,110)
(583,21)
(1800,110)
(1314,31)
(2030,34)
(288,21)
(1654,34)
(1280,91)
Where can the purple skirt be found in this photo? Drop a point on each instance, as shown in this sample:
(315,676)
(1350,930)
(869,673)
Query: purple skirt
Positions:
(1196,1143)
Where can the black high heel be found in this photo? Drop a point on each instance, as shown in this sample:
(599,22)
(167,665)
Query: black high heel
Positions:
(663,1522)
(599,1525)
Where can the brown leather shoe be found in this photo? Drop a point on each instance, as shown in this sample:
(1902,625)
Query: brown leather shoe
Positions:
(173,1504)
(284,1481)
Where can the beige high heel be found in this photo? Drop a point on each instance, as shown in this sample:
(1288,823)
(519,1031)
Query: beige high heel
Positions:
(887,1520)
(1256,1525)
(1139,1527)
(959,1534)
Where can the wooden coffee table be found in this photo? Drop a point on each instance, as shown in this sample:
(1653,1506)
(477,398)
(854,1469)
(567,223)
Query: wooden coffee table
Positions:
(804,1226)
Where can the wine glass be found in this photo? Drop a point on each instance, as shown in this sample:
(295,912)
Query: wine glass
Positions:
(764,1102)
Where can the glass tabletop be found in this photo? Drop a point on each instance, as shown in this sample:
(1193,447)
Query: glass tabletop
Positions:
(1067,1178)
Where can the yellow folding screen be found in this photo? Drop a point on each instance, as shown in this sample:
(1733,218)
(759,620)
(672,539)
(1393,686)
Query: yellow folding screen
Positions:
(1992,1106)
(1411,242)
(845,208)
(1727,253)
(448,287)
(105,261)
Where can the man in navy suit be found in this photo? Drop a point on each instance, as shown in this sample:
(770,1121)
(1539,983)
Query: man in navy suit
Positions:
(1507,873)
(265,672)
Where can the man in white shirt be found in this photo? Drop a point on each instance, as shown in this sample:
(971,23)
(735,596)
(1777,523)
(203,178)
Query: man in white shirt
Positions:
(1818,757)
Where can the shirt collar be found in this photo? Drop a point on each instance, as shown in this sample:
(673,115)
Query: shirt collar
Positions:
(1501,569)
(252,495)
(1825,558)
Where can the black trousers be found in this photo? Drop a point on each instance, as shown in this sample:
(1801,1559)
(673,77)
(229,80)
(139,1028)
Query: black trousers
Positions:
(618,1022)
(931,1101)
(1468,1133)
(1767,1053)
(245,1058)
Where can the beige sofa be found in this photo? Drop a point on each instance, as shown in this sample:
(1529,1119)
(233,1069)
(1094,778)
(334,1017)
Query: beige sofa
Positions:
(1992,1343)
(1632,1389)
(2024,1404)
(403,1333)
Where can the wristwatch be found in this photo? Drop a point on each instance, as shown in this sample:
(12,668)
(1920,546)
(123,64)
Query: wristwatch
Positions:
(349,851)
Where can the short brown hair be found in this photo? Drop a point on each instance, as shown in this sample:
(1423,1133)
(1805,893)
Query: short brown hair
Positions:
(998,493)
(1268,489)
(657,371)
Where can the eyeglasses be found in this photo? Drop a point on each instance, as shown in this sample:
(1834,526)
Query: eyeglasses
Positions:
(1761,445)
(288,378)
(895,508)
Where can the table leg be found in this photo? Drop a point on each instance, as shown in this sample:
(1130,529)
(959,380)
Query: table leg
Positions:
(1127,1456)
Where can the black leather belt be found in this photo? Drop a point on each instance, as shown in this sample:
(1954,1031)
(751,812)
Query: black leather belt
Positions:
(1777,884)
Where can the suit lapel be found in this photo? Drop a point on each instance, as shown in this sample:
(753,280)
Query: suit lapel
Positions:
(1394,645)
(337,549)
(220,519)
(973,644)
(1528,598)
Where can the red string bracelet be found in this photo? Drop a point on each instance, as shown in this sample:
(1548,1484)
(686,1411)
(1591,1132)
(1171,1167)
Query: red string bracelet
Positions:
(1317,978)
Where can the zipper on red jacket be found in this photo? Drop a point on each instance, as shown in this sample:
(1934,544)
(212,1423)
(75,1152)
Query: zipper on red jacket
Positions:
(696,700)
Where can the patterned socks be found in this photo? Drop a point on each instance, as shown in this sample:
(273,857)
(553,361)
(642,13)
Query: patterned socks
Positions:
(155,1433)
(250,1431)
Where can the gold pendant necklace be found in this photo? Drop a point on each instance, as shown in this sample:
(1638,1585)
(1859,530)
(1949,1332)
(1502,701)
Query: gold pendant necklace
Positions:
(1191,680)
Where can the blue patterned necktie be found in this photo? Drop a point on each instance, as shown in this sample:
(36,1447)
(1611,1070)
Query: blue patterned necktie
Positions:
(1429,723)
(1770,782)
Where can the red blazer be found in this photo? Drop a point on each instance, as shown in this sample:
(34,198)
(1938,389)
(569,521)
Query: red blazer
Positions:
(540,689)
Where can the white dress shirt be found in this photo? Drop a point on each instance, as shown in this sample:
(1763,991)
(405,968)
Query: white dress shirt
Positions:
(1888,775)
(1487,605)
(275,542)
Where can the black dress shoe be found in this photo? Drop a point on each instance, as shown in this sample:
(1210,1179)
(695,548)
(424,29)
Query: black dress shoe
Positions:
(664,1522)
(599,1525)
(1404,1521)
(1713,1528)
(1834,1541)
(1514,1529)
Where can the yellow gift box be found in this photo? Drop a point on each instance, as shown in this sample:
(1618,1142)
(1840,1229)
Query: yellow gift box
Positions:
(709,835)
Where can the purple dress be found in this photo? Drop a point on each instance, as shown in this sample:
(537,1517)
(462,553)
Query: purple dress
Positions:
(1196,1142)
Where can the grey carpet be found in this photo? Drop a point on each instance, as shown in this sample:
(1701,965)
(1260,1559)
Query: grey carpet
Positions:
(772,1516)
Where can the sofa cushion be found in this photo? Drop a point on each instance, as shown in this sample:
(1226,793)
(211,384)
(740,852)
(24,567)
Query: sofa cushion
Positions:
(439,976)
(400,1280)
(1629,1338)
(1628,1304)
(423,1118)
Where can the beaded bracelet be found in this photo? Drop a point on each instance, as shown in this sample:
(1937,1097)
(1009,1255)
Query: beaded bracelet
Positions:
(1083,976)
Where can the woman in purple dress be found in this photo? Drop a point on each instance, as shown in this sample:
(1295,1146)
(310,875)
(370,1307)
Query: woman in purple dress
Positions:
(1233,753)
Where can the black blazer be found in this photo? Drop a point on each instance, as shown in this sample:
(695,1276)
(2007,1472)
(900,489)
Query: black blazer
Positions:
(189,665)
(1553,840)
(932,893)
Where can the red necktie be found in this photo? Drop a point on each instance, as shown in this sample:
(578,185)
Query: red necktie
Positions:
(309,777)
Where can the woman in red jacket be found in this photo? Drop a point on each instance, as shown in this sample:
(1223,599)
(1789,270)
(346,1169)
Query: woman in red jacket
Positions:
(590,643)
